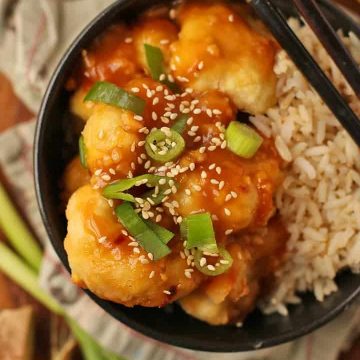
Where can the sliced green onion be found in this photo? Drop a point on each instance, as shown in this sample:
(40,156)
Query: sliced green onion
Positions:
(224,263)
(180,123)
(242,140)
(155,62)
(143,234)
(82,152)
(198,231)
(118,188)
(111,94)
(164,234)
(164,147)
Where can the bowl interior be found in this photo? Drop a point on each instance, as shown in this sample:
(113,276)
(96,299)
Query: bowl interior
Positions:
(56,143)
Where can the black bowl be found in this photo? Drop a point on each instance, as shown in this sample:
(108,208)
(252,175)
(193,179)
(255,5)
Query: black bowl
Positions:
(55,143)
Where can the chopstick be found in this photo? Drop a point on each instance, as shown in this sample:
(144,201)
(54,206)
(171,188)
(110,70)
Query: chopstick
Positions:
(277,24)
(331,41)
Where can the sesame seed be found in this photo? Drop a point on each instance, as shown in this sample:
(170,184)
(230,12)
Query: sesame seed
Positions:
(173,116)
(187,274)
(187,192)
(192,166)
(167,292)
(201,65)
(221,184)
(147,165)
(218,170)
(154,116)
(106,177)
(138,118)
(141,143)
(223,144)
(197,139)
(135,89)
(202,150)
(98,172)
(150,256)
(227,212)
(231,18)
(197,111)
(159,88)
(158,218)
(214,181)
(197,187)
(212,166)
(195,128)
(155,101)
(203,175)
(152,274)
(133,244)
(209,112)
(228,231)
(112,171)
(144,261)
(102,240)
(234,194)
(211,267)
(164,41)
(136,250)
(217,112)
(212,148)
(191,133)
(124,232)
(224,262)
(214,217)
(162,77)
(128,40)
(202,262)
(228,197)
(171,78)
(182,255)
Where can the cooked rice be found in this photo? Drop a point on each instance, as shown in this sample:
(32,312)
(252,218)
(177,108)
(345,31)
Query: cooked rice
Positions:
(320,197)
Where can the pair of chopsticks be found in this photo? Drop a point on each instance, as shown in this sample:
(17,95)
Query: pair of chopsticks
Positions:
(312,14)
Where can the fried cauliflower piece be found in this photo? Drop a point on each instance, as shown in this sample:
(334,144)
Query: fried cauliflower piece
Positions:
(79,107)
(157,32)
(75,176)
(229,297)
(109,134)
(102,261)
(236,191)
(218,50)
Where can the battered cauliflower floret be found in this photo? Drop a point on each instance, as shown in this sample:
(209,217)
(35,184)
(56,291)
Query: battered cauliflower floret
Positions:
(237,192)
(218,50)
(157,32)
(109,135)
(75,176)
(79,107)
(229,297)
(102,261)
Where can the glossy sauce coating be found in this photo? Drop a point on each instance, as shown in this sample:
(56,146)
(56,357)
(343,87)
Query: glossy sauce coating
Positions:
(206,177)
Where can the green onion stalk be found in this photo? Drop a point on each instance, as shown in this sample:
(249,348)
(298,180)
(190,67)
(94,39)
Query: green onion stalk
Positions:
(25,274)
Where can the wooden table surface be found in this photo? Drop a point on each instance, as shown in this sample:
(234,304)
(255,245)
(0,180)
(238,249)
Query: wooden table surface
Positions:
(11,296)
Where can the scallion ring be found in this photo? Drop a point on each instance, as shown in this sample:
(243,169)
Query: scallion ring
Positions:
(111,94)
(82,152)
(224,263)
(164,235)
(180,123)
(242,140)
(144,235)
(164,145)
(198,232)
(117,189)
(155,62)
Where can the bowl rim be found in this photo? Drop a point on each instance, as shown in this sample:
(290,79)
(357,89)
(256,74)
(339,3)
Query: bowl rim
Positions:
(40,174)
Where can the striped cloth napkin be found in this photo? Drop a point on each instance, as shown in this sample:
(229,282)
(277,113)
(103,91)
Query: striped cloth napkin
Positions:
(32,39)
